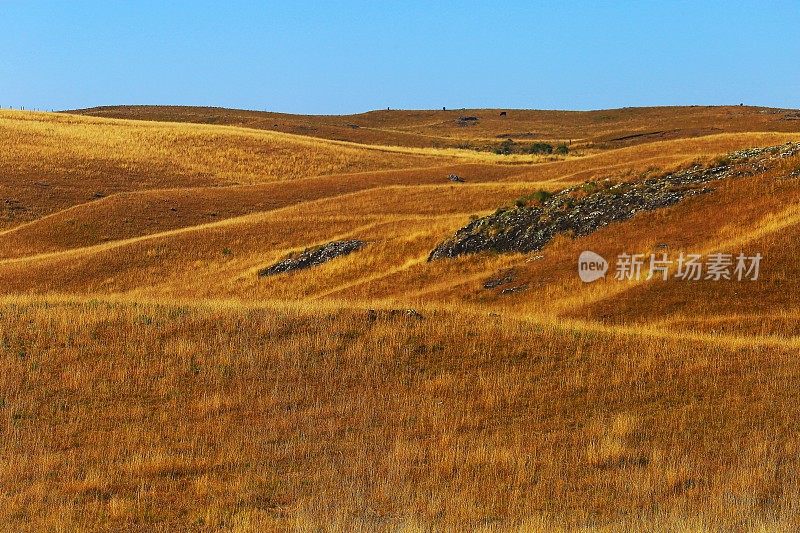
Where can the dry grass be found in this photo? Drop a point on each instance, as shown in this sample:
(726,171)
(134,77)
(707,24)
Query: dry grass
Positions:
(202,155)
(150,380)
(135,416)
(51,162)
(611,128)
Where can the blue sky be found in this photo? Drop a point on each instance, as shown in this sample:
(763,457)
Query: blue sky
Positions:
(352,56)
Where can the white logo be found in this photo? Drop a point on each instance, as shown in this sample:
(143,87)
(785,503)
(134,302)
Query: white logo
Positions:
(591,266)
(687,267)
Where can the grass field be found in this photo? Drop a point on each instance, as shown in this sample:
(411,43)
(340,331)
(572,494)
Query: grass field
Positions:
(150,380)
(612,128)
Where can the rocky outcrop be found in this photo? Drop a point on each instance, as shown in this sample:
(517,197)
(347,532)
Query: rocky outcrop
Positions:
(467,121)
(583,209)
(313,256)
(374,315)
(503,278)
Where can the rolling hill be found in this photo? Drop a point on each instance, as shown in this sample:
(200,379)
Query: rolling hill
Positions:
(153,380)
(480,127)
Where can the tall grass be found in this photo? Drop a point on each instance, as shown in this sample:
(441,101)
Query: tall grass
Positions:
(150,380)
(181,417)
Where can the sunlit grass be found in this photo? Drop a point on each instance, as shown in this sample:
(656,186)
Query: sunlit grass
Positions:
(151,380)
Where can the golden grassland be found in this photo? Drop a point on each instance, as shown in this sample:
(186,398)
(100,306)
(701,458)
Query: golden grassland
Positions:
(54,161)
(140,416)
(611,128)
(151,381)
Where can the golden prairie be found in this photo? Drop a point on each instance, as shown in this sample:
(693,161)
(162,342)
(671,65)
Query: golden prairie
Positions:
(152,380)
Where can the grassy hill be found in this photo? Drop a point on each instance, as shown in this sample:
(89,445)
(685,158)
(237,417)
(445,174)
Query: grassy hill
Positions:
(152,380)
(448,128)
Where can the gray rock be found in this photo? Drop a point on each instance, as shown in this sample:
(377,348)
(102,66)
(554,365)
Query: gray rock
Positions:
(374,315)
(583,209)
(314,256)
(512,290)
(503,279)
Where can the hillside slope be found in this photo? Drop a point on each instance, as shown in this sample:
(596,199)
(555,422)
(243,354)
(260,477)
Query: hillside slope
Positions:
(611,128)
(53,161)
(151,379)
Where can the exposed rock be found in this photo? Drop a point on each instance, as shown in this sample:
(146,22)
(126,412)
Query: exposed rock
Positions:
(313,256)
(503,279)
(512,290)
(12,209)
(583,209)
(466,121)
(373,315)
(455,178)
(13,204)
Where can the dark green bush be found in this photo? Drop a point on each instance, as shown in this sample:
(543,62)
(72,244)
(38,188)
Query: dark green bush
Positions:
(540,148)
(538,197)
(506,147)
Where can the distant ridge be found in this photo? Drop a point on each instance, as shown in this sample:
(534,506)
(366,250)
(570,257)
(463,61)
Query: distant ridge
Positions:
(610,128)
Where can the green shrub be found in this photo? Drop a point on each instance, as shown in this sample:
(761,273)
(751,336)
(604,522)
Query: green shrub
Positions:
(541,195)
(506,147)
(540,148)
(538,197)
(562,149)
(721,161)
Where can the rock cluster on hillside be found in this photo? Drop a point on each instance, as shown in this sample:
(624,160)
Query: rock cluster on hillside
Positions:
(313,256)
(389,314)
(583,209)
(467,121)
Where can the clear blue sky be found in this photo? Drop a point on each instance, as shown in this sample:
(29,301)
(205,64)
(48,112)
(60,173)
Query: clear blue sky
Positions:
(352,56)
